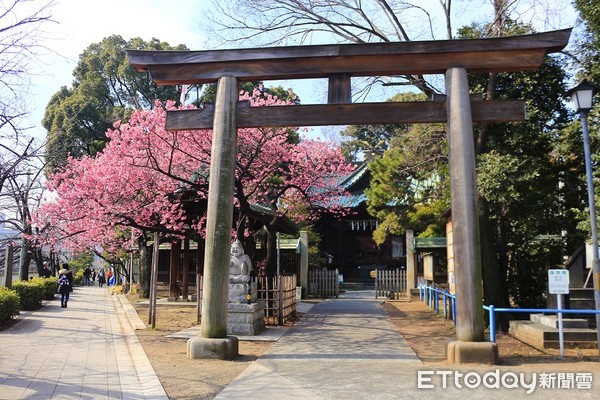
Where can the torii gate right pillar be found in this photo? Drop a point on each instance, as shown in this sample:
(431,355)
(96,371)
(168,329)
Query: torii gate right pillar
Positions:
(470,347)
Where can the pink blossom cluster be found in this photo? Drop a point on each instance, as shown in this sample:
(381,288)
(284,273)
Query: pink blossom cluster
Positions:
(138,179)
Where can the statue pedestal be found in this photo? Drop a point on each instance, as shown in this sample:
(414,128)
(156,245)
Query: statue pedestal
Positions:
(245,319)
(239,291)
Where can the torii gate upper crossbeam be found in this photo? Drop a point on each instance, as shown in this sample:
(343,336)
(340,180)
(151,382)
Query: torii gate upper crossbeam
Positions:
(517,53)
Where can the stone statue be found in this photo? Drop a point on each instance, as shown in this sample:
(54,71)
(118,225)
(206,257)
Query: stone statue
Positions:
(245,314)
(240,264)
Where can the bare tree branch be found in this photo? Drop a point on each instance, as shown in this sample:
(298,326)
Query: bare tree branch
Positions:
(276,22)
(21,38)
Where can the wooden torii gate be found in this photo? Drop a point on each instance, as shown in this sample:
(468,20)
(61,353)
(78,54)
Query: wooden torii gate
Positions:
(339,63)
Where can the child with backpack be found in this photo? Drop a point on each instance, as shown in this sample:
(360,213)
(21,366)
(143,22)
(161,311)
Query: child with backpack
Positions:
(65,284)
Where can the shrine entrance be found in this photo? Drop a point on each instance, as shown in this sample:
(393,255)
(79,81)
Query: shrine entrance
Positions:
(339,63)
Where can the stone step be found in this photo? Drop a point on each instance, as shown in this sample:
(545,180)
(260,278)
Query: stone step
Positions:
(569,344)
(581,304)
(352,285)
(552,321)
(544,337)
(581,293)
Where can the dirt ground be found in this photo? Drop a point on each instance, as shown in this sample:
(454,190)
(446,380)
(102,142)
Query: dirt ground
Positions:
(181,377)
(426,332)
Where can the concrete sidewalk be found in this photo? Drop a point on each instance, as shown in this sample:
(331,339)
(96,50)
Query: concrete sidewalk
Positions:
(86,351)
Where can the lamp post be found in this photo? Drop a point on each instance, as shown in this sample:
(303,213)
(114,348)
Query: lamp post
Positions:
(582,96)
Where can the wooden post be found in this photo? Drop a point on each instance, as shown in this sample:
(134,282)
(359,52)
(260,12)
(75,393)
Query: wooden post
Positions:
(153,283)
(340,90)
(174,268)
(463,190)
(411,270)
(220,212)
(199,278)
(8,266)
(280,281)
(303,278)
(186,269)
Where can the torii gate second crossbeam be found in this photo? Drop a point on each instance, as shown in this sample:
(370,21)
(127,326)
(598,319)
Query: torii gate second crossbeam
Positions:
(339,63)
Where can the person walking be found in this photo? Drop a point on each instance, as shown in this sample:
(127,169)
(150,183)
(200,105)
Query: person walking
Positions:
(101,277)
(65,284)
(47,273)
(87,272)
(109,275)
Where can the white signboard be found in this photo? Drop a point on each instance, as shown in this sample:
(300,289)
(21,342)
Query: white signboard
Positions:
(589,255)
(558,281)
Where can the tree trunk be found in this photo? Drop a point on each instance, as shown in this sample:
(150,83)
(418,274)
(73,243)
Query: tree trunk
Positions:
(39,261)
(25,260)
(8,266)
(495,288)
(54,263)
(145,266)
(494,281)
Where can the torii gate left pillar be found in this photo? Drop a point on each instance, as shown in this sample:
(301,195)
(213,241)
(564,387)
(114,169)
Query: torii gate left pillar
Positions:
(213,341)
(470,346)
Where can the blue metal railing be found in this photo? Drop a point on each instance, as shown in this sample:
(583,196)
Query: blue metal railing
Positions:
(492,316)
(431,296)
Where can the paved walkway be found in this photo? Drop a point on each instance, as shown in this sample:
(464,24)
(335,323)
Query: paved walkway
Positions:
(349,349)
(86,351)
(343,348)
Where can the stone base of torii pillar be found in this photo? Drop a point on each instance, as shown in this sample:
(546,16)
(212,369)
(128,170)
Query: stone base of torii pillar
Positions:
(226,348)
(458,352)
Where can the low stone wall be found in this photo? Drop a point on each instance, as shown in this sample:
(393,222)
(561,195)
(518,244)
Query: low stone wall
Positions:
(546,337)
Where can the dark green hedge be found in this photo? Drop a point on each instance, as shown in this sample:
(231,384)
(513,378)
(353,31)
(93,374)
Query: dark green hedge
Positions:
(48,285)
(31,294)
(9,304)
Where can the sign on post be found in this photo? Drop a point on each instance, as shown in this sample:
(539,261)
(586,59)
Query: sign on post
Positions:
(558,281)
(558,284)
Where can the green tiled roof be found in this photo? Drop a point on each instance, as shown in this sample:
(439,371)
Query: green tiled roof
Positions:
(353,200)
(354,177)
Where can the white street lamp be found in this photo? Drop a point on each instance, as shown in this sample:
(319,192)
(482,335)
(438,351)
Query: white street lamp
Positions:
(582,96)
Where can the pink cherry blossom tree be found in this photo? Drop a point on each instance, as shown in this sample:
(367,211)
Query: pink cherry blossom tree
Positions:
(148,179)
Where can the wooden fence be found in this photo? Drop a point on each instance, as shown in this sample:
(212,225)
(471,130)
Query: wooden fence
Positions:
(390,283)
(199,290)
(279,295)
(323,283)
